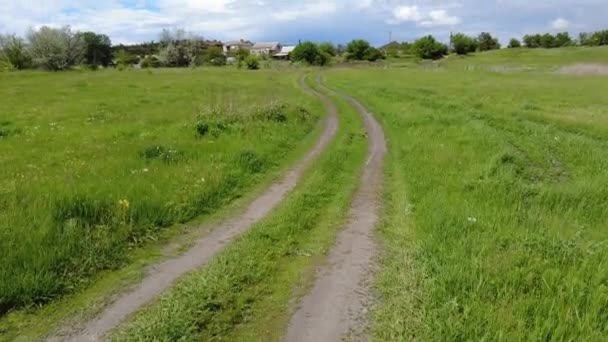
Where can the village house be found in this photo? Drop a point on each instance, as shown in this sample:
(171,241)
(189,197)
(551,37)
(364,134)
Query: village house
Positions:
(270,48)
(285,52)
(235,45)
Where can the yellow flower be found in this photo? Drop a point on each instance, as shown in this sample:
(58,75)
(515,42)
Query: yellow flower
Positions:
(124,203)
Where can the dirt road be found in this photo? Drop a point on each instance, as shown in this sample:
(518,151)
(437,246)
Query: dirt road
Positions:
(335,309)
(162,276)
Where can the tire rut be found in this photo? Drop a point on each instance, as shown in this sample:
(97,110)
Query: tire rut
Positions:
(162,276)
(336,307)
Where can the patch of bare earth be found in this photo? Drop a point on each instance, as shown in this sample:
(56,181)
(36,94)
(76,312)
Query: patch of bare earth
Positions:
(336,308)
(161,277)
(585,69)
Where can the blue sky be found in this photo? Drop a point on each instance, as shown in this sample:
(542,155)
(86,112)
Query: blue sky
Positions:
(130,21)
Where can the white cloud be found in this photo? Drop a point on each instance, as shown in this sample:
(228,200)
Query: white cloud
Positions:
(307,11)
(560,24)
(407,13)
(433,18)
(440,18)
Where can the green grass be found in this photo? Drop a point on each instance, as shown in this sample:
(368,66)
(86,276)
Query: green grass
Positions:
(98,163)
(246,292)
(496,215)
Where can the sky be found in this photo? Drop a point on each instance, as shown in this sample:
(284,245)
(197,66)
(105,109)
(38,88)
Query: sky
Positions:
(339,21)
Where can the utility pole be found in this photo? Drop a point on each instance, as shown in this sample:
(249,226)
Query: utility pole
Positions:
(390,37)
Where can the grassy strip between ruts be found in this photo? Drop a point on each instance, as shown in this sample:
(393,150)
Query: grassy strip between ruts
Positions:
(244,294)
(32,324)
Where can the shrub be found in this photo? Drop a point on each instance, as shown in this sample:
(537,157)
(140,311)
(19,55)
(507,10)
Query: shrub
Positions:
(599,38)
(487,42)
(374,54)
(308,52)
(151,62)
(276,111)
(328,48)
(357,50)
(13,53)
(429,48)
(56,49)
(514,43)
(252,62)
(463,44)
(215,56)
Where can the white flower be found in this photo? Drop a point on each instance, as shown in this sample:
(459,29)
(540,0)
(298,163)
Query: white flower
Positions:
(145,170)
(472,219)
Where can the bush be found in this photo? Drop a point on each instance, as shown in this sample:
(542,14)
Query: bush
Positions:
(514,43)
(56,49)
(374,54)
(252,62)
(357,50)
(215,56)
(429,48)
(151,62)
(328,48)
(487,42)
(251,162)
(463,44)
(13,53)
(276,111)
(599,38)
(308,52)
(162,153)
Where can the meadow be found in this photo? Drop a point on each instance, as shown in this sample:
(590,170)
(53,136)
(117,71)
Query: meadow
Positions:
(495,201)
(95,164)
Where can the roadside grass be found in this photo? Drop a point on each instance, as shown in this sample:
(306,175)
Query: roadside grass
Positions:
(246,293)
(495,224)
(96,164)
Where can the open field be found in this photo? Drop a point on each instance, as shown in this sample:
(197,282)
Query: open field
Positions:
(495,224)
(95,164)
(493,219)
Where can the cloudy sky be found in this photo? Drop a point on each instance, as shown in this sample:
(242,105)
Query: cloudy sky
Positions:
(129,21)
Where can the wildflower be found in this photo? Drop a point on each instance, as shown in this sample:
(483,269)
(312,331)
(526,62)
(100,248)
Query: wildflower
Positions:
(124,203)
(145,170)
(472,219)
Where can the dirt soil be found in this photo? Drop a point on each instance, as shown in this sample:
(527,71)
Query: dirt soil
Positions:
(162,276)
(336,308)
(584,69)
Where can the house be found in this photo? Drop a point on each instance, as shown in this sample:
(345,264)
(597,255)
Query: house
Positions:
(269,48)
(285,52)
(235,45)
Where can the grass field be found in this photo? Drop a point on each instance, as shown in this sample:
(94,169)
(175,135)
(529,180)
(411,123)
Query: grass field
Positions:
(95,164)
(496,215)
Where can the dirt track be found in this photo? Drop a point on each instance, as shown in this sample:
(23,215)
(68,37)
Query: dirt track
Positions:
(162,276)
(335,309)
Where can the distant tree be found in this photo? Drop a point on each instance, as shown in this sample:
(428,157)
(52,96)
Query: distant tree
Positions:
(584,38)
(310,53)
(328,48)
(56,49)
(429,48)
(463,44)
(150,61)
(599,38)
(487,42)
(179,48)
(13,52)
(98,49)
(241,54)
(514,43)
(357,49)
(215,56)
(123,59)
(340,49)
(563,39)
(547,41)
(533,41)
(374,54)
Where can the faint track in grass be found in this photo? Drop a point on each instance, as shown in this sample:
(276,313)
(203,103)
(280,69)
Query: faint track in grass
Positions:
(336,307)
(162,276)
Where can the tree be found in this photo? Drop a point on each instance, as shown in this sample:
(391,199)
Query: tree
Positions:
(357,49)
(180,49)
(310,53)
(328,48)
(98,49)
(563,39)
(514,43)
(463,44)
(374,54)
(13,52)
(123,59)
(584,38)
(215,56)
(487,42)
(429,48)
(532,41)
(56,49)
(599,38)
(547,41)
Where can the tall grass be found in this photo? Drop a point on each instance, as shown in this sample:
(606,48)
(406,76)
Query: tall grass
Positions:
(99,163)
(496,205)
